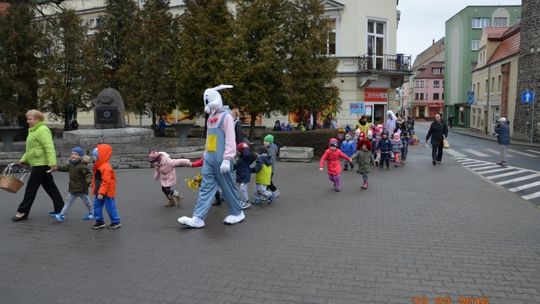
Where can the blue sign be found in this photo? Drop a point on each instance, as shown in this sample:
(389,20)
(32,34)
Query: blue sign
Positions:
(527,96)
(357,107)
(470,97)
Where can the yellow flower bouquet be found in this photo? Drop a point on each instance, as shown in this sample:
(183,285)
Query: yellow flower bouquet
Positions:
(194,183)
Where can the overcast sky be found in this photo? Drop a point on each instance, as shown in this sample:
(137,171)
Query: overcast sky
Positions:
(424,20)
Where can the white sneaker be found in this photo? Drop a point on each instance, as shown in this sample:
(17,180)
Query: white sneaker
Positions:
(234,219)
(193,222)
(277,193)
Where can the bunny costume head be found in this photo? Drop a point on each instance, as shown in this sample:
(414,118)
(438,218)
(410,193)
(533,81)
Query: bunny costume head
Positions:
(212,98)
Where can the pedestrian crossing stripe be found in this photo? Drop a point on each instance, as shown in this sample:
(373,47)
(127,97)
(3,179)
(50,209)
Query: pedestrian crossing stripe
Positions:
(472,165)
(476,153)
(507,174)
(497,152)
(523,187)
(486,167)
(533,151)
(455,153)
(522,153)
(494,170)
(518,179)
(531,196)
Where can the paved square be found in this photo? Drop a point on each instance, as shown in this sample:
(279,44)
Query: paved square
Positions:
(417,231)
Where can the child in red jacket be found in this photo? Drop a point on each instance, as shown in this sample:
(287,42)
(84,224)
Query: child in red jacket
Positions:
(332,157)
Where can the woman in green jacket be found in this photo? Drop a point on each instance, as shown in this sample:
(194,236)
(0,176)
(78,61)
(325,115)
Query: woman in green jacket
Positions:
(41,156)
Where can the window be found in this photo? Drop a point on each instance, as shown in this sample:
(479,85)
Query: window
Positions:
(500,22)
(375,44)
(487,87)
(435,84)
(499,80)
(442,96)
(479,23)
(435,96)
(421,96)
(415,96)
(474,89)
(492,84)
(331,37)
(421,83)
(93,23)
(437,71)
(475,45)
(417,84)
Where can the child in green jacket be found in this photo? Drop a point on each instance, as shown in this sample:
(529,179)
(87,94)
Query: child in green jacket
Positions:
(364,158)
(80,178)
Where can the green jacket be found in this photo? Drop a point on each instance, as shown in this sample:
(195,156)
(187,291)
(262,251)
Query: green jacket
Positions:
(80,177)
(364,159)
(39,147)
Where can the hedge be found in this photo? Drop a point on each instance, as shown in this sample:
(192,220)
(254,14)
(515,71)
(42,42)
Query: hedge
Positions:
(318,139)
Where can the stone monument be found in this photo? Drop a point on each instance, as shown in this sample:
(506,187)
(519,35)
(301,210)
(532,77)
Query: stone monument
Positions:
(109,110)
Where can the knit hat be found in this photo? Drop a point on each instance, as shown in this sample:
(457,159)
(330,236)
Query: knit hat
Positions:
(333,142)
(78,150)
(269,138)
(396,136)
(348,136)
(240,147)
(154,156)
(95,153)
(502,119)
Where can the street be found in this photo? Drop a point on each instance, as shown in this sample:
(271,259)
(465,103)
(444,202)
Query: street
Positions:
(522,175)
(419,232)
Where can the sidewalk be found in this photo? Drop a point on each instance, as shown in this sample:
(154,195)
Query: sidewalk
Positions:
(475,133)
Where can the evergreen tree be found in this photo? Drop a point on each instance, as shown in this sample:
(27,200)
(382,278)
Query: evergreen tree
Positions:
(62,92)
(204,56)
(260,56)
(146,78)
(110,41)
(308,81)
(20,44)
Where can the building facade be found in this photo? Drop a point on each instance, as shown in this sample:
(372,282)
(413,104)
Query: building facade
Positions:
(527,116)
(362,39)
(494,79)
(463,34)
(426,87)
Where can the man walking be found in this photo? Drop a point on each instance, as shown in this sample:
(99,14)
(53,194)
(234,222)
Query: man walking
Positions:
(502,131)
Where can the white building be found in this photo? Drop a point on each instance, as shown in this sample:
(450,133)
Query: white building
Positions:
(363,40)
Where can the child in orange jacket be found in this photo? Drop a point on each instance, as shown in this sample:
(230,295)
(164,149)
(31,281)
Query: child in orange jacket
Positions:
(332,157)
(104,187)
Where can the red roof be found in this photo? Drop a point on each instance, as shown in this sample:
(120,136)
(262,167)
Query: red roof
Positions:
(509,46)
(494,33)
(426,71)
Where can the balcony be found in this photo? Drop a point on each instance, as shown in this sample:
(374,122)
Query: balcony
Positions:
(371,67)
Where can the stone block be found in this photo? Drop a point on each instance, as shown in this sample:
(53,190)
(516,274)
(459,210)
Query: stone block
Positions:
(299,154)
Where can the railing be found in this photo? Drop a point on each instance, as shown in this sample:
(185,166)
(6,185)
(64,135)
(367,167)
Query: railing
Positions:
(398,63)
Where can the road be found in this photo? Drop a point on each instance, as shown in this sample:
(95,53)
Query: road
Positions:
(521,177)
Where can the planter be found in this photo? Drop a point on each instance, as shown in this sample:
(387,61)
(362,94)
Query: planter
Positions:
(182,130)
(296,154)
(7,134)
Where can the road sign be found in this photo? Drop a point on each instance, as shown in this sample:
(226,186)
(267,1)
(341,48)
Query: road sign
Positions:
(527,96)
(470,97)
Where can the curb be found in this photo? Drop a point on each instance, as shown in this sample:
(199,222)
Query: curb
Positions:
(512,143)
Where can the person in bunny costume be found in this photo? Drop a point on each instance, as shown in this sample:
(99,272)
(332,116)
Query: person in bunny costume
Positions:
(218,161)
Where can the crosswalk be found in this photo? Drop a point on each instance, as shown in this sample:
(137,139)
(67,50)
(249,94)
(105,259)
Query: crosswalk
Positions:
(487,152)
(524,182)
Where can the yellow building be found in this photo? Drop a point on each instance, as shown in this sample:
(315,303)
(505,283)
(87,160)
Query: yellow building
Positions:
(494,78)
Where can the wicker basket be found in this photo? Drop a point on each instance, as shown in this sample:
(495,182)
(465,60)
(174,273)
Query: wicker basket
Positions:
(10,183)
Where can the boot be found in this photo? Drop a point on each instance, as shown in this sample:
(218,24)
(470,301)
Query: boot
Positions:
(365,185)
(170,201)
(177,198)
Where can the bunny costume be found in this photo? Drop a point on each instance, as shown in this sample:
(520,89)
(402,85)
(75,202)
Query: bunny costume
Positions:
(216,171)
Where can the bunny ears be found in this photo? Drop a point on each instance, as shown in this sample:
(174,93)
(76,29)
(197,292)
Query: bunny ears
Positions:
(222,87)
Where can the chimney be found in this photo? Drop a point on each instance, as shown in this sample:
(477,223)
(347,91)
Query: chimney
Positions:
(432,43)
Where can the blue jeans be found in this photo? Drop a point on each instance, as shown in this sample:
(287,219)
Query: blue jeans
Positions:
(110,206)
(71,199)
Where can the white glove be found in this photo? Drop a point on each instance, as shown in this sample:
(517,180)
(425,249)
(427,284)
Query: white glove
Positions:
(225,166)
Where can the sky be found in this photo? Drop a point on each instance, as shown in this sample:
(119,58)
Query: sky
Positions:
(424,20)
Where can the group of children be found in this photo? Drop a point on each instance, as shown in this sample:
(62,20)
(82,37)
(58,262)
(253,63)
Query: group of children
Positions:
(101,180)
(364,151)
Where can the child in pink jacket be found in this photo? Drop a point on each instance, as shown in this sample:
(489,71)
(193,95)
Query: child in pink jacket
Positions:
(165,171)
(332,157)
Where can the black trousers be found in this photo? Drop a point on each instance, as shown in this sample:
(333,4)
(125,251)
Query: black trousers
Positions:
(40,177)
(436,152)
(272,187)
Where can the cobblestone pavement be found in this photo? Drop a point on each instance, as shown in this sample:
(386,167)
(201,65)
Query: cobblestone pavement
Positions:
(419,230)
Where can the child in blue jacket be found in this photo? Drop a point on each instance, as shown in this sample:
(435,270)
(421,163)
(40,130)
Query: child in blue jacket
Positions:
(348,146)
(243,172)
